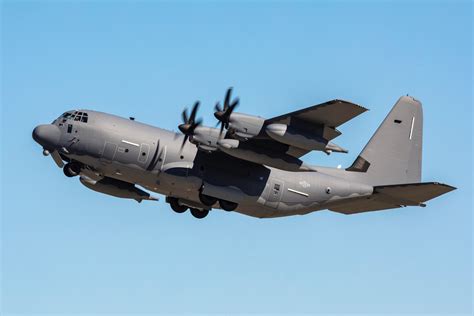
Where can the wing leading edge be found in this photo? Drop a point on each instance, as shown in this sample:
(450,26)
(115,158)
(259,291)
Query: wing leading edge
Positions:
(330,115)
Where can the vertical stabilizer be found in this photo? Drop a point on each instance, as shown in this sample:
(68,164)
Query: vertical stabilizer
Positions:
(393,154)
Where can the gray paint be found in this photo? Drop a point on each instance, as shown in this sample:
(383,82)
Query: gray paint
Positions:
(262,175)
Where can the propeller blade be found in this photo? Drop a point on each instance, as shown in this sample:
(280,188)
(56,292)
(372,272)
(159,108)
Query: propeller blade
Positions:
(185,139)
(227,98)
(222,128)
(234,104)
(184,115)
(194,111)
(223,115)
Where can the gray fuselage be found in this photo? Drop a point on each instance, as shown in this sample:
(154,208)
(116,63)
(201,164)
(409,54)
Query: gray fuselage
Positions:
(151,157)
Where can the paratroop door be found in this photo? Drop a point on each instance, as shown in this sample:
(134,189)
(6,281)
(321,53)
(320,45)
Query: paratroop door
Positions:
(109,152)
(274,194)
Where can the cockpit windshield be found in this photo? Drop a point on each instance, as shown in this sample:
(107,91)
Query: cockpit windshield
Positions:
(75,116)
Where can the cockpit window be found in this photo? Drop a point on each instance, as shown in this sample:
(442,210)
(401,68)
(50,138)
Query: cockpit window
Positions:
(75,116)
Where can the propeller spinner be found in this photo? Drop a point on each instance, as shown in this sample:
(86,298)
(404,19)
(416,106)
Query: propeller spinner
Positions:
(189,123)
(223,114)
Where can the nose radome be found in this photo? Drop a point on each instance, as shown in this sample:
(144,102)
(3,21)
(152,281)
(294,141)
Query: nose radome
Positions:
(47,135)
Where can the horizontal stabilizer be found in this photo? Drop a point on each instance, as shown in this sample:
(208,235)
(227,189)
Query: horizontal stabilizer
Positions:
(393,196)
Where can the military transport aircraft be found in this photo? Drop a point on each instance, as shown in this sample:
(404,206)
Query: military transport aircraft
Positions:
(249,164)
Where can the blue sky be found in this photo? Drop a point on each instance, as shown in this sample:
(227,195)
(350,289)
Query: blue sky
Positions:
(66,249)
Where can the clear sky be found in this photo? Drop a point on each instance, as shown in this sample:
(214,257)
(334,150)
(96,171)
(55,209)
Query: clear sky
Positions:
(67,249)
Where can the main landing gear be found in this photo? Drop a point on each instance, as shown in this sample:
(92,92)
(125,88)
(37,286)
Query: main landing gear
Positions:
(210,201)
(180,208)
(205,200)
(228,206)
(199,213)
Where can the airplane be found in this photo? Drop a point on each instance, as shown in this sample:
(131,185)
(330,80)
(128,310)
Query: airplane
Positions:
(250,165)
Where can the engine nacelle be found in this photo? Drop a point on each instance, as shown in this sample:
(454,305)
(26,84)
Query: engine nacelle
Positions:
(206,138)
(245,126)
(116,188)
(291,136)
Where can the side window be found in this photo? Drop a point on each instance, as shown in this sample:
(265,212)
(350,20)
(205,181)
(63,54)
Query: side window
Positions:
(69,128)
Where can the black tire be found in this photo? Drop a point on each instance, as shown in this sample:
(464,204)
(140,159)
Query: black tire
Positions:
(207,200)
(199,213)
(227,205)
(72,169)
(178,208)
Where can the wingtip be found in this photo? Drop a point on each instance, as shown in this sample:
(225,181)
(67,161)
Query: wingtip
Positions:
(447,186)
(362,108)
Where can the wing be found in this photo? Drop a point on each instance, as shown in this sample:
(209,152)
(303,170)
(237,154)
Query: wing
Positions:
(322,118)
(393,196)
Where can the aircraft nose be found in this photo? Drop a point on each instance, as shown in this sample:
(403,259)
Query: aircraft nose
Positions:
(47,135)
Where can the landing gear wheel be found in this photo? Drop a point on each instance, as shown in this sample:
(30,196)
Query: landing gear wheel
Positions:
(207,200)
(72,169)
(227,205)
(178,208)
(199,213)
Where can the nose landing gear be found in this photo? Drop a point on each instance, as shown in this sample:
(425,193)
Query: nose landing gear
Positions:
(72,169)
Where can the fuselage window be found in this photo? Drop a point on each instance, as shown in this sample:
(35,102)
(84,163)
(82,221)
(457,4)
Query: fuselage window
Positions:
(69,128)
(84,118)
(65,116)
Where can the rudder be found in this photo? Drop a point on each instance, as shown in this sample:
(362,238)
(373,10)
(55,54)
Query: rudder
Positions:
(394,153)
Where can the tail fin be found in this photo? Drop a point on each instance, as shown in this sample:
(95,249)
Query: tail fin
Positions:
(393,154)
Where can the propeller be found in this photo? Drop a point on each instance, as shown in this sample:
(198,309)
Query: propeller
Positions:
(223,114)
(189,122)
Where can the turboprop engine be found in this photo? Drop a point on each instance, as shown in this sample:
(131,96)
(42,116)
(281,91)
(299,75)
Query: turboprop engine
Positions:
(116,188)
(206,138)
(245,126)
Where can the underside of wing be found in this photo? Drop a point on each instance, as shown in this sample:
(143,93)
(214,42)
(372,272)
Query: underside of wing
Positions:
(393,196)
(330,114)
(271,146)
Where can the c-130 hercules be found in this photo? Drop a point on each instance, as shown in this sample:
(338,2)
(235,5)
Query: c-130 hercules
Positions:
(250,165)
